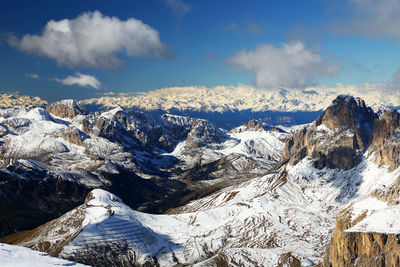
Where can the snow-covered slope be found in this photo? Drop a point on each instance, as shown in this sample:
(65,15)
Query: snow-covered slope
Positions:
(262,144)
(12,256)
(290,212)
(242,97)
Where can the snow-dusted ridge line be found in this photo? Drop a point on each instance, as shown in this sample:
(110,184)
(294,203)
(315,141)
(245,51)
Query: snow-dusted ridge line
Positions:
(12,256)
(229,98)
(246,98)
(15,100)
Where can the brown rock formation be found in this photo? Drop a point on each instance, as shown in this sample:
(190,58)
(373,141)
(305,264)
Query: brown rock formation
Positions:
(386,139)
(360,249)
(287,259)
(74,136)
(337,139)
(65,108)
(253,125)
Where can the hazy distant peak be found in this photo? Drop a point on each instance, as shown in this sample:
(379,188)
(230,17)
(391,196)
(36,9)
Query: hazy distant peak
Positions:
(242,97)
(15,100)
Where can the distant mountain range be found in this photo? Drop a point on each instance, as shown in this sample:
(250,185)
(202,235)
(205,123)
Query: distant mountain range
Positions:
(229,107)
(245,98)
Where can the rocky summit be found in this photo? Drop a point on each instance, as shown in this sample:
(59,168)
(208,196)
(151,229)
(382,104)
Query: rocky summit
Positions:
(338,137)
(67,108)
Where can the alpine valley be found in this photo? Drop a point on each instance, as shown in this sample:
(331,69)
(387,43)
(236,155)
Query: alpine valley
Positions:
(146,181)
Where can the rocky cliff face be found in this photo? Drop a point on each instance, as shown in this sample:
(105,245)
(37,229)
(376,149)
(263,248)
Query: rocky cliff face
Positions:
(256,126)
(337,139)
(253,125)
(135,130)
(74,136)
(386,139)
(66,108)
(361,249)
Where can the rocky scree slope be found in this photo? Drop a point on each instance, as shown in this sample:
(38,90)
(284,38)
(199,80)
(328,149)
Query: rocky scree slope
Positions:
(284,217)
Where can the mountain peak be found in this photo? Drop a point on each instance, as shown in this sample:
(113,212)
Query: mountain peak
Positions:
(347,111)
(253,125)
(338,138)
(100,197)
(67,108)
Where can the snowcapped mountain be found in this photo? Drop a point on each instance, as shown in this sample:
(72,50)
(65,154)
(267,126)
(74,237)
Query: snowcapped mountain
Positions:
(335,184)
(16,100)
(245,98)
(224,106)
(154,162)
(229,107)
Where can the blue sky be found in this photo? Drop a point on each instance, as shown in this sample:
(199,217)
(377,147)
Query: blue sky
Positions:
(268,44)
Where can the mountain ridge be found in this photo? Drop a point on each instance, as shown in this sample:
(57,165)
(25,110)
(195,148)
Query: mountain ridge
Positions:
(153,162)
(245,98)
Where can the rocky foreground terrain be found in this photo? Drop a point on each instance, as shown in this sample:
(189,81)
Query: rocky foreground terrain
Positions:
(323,194)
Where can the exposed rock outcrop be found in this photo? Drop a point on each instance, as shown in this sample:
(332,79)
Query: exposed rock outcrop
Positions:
(114,128)
(66,227)
(337,139)
(256,125)
(134,128)
(288,260)
(361,249)
(66,108)
(74,136)
(253,125)
(386,139)
(203,133)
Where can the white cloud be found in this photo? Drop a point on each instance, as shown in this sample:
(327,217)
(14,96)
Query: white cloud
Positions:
(179,7)
(80,79)
(290,66)
(372,18)
(93,40)
(32,75)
